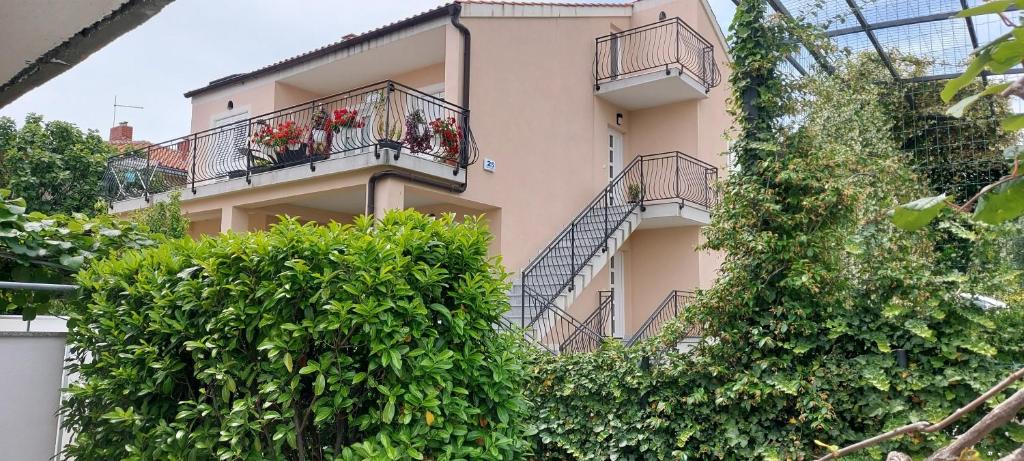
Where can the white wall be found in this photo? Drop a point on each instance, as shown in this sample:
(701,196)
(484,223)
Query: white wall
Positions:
(31,378)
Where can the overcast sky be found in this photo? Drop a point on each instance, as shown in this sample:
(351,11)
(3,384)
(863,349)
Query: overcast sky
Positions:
(192,42)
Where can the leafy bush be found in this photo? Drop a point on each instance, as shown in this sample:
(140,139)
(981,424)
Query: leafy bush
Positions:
(165,217)
(816,293)
(364,341)
(40,248)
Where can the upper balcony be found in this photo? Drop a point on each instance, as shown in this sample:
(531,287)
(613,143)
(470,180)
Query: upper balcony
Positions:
(655,64)
(383,124)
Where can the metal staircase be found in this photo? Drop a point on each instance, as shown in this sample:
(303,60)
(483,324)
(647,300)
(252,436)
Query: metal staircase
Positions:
(546,288)
(668,310)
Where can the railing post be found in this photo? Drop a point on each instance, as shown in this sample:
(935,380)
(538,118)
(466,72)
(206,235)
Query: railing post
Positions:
(607,192)
(522,301)
(572,258)
(679,38)
(143,179)
(643,187)
(195,147)
(310,145)
(679,193)
(611,307)
(704,69)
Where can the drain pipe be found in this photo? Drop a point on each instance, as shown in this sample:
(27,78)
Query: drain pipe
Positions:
(458,188)
(467,39)
(371,185)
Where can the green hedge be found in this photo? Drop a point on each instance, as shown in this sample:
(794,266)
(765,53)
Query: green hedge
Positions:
(339,342)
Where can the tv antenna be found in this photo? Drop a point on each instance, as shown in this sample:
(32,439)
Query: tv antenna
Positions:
(116,105)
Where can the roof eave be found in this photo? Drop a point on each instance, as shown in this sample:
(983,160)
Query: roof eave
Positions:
(421,18)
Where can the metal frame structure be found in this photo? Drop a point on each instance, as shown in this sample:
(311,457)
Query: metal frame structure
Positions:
(937,15)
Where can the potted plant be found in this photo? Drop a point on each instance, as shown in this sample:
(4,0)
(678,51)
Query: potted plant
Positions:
(417,133)
(318,134)
(389,132)
(346,123)
(450,135)
(263,137)
(634,193)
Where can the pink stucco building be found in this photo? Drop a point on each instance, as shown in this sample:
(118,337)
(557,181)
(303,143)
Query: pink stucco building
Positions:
(588,135)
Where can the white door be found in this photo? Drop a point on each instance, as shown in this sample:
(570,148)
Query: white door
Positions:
(617,262)
(614,153)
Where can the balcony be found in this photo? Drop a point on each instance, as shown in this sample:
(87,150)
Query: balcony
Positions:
(656,64)
(383,124)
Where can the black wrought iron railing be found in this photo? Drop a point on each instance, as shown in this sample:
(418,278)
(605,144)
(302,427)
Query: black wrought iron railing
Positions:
(557,330)
(362,121)
(660,46)
(670,177)
(669,309)
(599,322)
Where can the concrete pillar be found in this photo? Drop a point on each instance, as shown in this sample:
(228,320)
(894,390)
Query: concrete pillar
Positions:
(234,218)
(390,195)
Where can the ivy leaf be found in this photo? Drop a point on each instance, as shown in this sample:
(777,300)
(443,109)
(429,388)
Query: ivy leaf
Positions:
(1004,202)
(917,214)
(920,328)
(72,262)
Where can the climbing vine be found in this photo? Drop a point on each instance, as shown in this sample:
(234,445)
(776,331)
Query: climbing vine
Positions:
(826,324)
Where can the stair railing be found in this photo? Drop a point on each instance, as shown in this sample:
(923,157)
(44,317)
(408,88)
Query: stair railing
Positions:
(669,309)
(599,321)
(664,177)
(559,332)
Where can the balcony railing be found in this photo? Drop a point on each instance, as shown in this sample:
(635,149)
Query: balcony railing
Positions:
(663,45)
(364,121)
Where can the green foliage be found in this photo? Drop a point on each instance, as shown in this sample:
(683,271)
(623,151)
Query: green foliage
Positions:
(758,45)
(54,166)
(165,217)
(35,247)
(816,292)
(365,341)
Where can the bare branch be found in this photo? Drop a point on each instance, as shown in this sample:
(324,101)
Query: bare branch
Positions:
(1015,89)
(900,431)
(925,426)
(1017,455)
(999,416)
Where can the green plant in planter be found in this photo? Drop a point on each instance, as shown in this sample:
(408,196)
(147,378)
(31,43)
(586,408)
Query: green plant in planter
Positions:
(634,192)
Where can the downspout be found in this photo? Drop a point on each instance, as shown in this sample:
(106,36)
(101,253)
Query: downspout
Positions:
(458,188)
(467,40)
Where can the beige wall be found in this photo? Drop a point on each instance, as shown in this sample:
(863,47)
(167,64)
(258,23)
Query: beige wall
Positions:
(256,98)
(657,262)
(535,114)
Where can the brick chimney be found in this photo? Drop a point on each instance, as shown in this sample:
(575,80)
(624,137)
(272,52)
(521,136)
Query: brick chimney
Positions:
(121,134)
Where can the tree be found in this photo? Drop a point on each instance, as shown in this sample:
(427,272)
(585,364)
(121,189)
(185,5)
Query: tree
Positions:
(54,166)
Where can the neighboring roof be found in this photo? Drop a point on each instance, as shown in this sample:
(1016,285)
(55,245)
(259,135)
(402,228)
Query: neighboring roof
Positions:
(44,38)
(429,15)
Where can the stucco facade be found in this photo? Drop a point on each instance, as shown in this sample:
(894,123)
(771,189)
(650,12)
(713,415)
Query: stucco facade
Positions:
(542,125)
